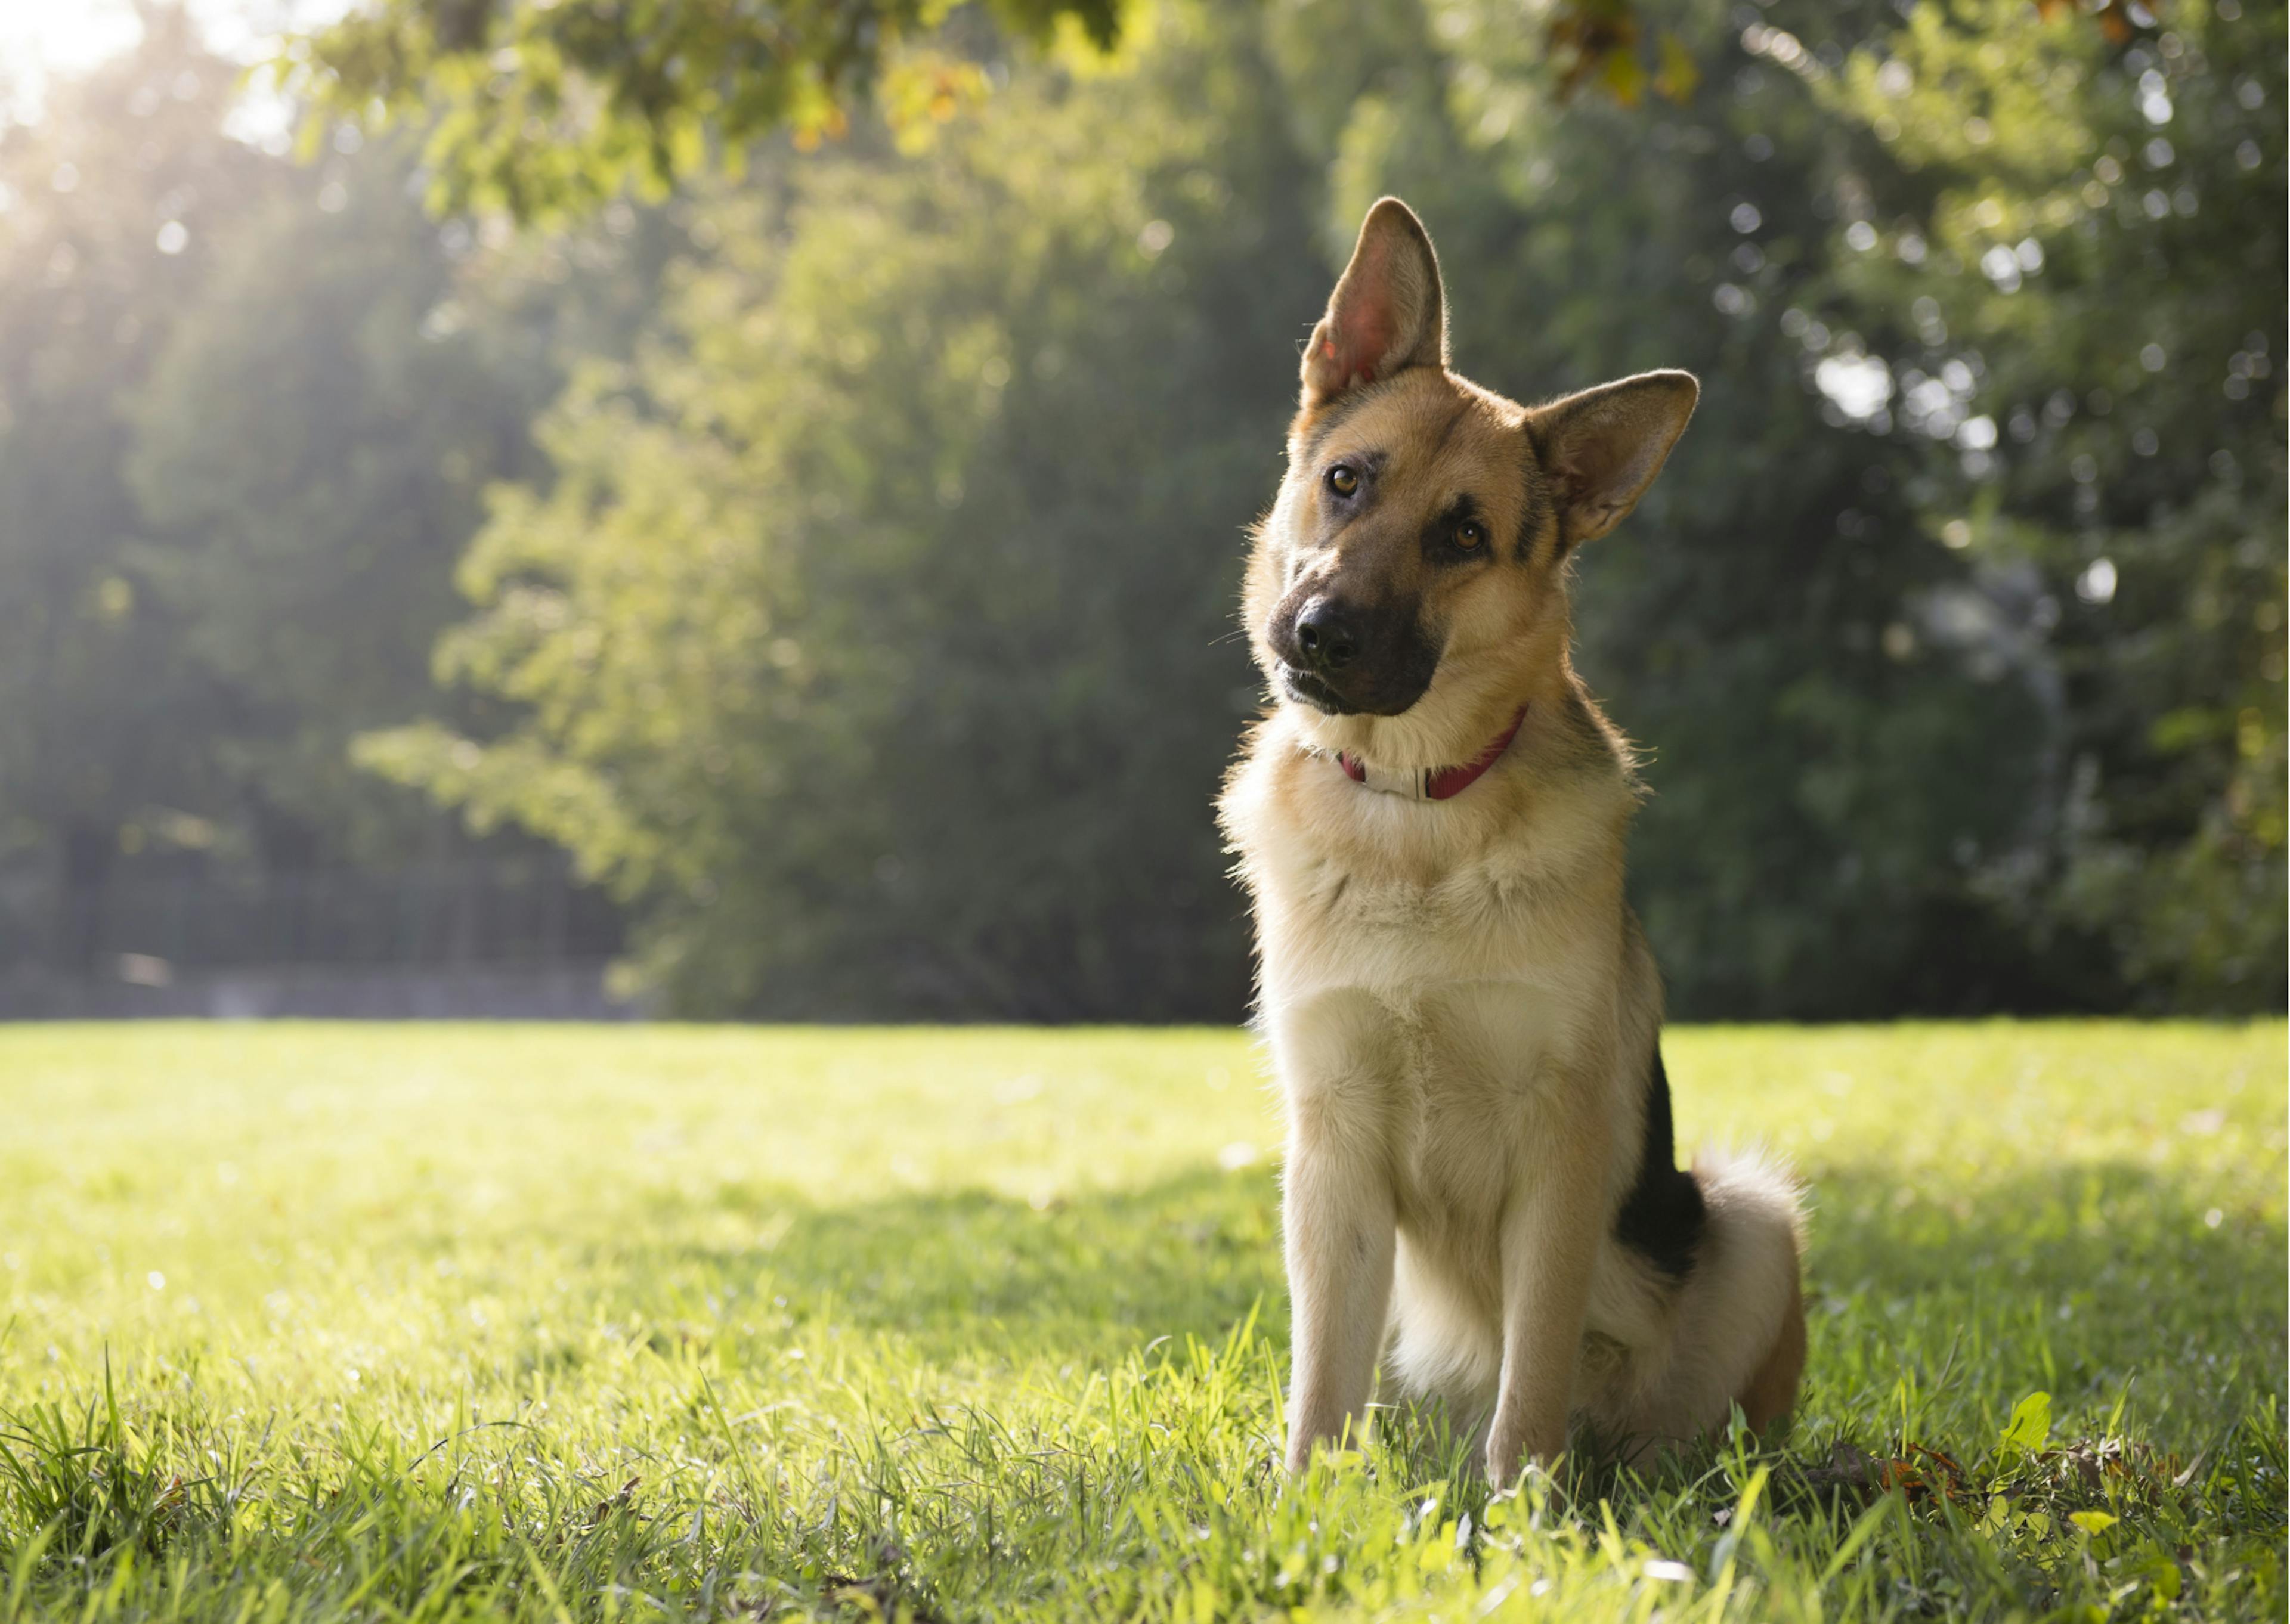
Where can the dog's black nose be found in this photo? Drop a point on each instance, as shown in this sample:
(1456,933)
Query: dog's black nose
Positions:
(1327,635)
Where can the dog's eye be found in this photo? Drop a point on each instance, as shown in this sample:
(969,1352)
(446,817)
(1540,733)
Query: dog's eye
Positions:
(1343,480)
(1471,536)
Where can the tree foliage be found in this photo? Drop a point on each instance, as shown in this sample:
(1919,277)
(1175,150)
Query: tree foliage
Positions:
(875,627)
(542,105)
(926,498)
(308,460)
(536,105)
(2094,239)
(861,608)
(247,406)
(112,206)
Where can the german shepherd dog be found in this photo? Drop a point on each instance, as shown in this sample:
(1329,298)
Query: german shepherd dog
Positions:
(1463,1015)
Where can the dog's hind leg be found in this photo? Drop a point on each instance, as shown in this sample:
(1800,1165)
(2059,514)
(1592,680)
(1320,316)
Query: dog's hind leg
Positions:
(1742,1328)
(1735,1331)
(1771,1390)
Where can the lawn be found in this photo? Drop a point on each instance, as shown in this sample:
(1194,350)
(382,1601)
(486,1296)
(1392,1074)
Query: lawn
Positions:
(351,1322)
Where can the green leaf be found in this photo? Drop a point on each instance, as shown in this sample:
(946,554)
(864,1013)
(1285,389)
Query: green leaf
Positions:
(2093,1522)
(2030,1428)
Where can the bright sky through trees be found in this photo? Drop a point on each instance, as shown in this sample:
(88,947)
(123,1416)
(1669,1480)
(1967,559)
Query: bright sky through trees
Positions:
(40,38)
(36,36)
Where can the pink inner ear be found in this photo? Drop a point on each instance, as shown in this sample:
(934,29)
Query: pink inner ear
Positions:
(1364,324)
(1367,339)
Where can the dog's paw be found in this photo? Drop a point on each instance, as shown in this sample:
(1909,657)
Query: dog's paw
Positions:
(1512,1449)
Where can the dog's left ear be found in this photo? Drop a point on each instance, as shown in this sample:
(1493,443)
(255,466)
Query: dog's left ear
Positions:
(1603,447)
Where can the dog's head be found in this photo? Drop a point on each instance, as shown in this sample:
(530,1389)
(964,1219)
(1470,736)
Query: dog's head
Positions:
(1408,589)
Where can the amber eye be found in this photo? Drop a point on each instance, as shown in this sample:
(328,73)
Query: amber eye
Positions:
(1343,480)
(1471,536)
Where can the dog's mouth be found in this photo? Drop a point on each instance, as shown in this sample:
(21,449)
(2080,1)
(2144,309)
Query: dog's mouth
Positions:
(1307,689)
(1392,697)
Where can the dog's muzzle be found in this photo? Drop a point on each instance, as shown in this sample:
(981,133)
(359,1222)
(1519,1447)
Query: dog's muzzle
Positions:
(1349,658)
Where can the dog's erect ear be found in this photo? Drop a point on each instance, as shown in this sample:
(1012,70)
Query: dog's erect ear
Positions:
(1386,315)
(1603,447)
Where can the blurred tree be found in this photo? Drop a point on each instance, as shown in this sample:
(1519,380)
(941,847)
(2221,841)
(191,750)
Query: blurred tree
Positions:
(539,106)
(310,448)
(246,408)
(2068,265)
(110,208)
(309,454)
(536,105)
(876,629)
(813,663)
(865,611)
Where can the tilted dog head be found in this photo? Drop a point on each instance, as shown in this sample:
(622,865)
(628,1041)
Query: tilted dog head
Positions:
(1408,589)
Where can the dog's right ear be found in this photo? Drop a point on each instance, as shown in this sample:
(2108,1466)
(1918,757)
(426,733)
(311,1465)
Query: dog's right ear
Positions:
(1386,314)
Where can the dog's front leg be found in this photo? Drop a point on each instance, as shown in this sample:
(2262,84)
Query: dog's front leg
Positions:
(1551,1233)
(1338,1217)
(1337,1213)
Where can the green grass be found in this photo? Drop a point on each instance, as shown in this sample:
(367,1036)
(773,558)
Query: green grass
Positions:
(352,1322)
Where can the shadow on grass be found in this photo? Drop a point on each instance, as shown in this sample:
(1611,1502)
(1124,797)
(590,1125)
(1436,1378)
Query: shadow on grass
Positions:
(2073,1279)
(955,1275)
(2094,1282)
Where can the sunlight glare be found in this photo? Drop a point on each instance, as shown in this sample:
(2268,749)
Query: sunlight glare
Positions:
(39,39)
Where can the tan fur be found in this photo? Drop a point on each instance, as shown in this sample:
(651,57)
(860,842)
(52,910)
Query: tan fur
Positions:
(1461,1008)
(1772,1392)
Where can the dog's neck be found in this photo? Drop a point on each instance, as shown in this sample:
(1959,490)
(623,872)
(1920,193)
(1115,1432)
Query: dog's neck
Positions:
(1441,783)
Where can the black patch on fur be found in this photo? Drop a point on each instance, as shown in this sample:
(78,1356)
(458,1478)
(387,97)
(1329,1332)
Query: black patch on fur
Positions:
(1438,539)
(1535,506)
(1663,1216)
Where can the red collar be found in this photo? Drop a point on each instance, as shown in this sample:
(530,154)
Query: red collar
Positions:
(1432,783)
